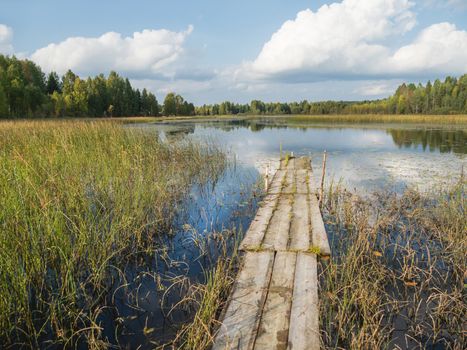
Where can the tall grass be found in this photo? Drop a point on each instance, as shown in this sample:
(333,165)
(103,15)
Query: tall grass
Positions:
(77,200)
(396,279)
(380,118)
(335,118)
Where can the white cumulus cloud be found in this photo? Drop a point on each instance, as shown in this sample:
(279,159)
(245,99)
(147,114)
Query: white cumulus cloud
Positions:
(144,53)
(349,39)
(440,48)
(6,36)
(340,37)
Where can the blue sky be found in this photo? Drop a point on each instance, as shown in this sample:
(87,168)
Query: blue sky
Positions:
(211,51)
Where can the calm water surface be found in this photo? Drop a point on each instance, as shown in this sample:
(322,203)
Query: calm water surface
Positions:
(363,156)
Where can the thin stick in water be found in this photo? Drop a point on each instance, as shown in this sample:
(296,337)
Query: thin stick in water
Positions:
(322,180)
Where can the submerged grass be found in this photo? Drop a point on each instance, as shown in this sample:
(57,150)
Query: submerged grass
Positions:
(209,298)
(397,276)
(77,200)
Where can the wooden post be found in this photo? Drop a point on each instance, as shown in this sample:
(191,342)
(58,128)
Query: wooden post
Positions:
(321,195)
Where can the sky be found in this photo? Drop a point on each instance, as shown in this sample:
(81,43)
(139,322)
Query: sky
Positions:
(274,50)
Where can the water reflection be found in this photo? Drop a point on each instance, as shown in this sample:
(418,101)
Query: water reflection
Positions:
(444,141)
(365,156)
(142,309)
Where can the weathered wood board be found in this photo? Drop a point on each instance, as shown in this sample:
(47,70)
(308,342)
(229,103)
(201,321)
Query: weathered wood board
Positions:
(274,303)
(304,317)
(239,328)
(274,325)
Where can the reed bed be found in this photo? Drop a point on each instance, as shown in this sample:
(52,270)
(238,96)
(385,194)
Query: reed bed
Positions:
(380,118)
(397,276)
(78,200)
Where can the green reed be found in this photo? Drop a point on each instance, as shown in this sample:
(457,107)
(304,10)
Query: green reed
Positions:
(77,200)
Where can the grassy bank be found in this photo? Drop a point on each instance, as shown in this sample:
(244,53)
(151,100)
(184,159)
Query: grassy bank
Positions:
(380,118)
(397,276)
(78,200)
(334,118)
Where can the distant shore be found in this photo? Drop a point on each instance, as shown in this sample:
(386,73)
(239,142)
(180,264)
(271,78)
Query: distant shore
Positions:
(345,118)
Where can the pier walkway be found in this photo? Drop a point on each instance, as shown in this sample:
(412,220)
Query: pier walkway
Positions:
(274,301)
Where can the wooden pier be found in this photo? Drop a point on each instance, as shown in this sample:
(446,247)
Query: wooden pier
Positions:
(274,301)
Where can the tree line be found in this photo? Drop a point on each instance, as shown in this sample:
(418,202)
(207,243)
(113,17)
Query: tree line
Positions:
(448,97)
(25,91)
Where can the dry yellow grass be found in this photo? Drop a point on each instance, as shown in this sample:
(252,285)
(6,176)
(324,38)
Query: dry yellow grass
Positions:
(380,118)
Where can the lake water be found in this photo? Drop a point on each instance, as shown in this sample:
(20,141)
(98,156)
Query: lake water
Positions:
(364,157)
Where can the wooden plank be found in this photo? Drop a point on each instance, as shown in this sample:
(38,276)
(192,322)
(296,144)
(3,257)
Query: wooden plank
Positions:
(301,180)
(277,182)
(274,325)
(287,163)
(291,163)
(241,319)
(290,185)
(277,234)
(304,316)
(303,163)
(300,230)
(311,183)
(255,234)
(318,232)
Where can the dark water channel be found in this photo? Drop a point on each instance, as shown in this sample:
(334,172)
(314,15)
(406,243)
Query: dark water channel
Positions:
(140,313)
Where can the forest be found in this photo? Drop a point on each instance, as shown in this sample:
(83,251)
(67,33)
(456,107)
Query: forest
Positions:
(448,97)
(27,92)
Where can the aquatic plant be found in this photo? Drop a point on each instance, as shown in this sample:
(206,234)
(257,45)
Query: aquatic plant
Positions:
(396,277)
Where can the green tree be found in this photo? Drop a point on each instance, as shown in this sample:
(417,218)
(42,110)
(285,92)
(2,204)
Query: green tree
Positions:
(170,104)
(98,96)
(3,102)
(53,83)
(257,107)
(59,106)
